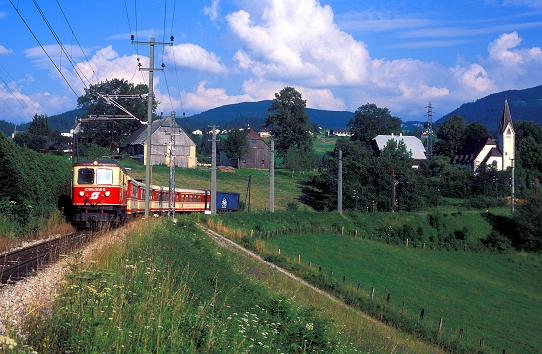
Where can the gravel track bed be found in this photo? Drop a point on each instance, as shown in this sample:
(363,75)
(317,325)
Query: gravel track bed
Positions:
(37,292)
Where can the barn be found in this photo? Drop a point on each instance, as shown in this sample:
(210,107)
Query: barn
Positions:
(165,132)
(259,153)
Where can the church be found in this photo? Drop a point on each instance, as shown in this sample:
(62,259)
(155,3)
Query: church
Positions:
(500,154)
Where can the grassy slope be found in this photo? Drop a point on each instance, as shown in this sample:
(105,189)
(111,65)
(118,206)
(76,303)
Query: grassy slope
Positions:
(288,188)
(495,297)
(492,297)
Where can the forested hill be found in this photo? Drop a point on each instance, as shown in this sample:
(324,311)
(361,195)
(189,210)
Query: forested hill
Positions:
(524,105)
(240,114)
(63,122)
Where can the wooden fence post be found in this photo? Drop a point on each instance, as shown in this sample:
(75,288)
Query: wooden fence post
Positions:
(440,324)
(388,300)
(406,243)
(372,292)
(481,342)
(359,284)
(356,233)
(279,251)
(460,333)
(298,259)
(342,231)
(344,278)
(421,314)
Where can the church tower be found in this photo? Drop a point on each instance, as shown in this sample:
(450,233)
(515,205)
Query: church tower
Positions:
(506,138)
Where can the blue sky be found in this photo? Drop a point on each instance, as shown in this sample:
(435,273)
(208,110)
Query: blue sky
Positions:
(340,54)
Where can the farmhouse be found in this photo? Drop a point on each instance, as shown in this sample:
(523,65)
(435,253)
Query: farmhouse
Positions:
(339,132)
(259,153)
(486,152)
(165,132)
(413,144)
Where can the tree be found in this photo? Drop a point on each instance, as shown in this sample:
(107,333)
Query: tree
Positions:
(288,121)
(38,135)
(112,133)
(237,146)
(528,218)
(475,131)
(370,121)
(452,136)
(300,160)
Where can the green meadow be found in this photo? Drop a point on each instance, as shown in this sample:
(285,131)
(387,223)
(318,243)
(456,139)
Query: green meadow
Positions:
(496,299)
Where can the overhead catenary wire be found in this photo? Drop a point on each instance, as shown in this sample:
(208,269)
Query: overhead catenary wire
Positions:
(62,47)
(45,51)
(79,44)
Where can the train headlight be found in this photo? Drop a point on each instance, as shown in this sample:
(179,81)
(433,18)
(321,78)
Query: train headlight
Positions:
(107,193)
(95,162)
(81,193)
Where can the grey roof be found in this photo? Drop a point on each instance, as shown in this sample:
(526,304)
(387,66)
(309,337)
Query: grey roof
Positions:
(506,118)
(413,144)
(139,137)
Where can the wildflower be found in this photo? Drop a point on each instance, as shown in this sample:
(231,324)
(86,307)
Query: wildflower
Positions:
(8,341)
(309,326)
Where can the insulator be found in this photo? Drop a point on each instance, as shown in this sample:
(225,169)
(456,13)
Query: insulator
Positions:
(132,37)
(163,65)
(172,38)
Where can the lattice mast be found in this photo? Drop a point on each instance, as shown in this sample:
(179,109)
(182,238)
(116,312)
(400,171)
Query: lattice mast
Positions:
(429,143)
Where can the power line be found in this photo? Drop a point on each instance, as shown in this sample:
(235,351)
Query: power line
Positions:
(77,40)
(37,40)
(68,56)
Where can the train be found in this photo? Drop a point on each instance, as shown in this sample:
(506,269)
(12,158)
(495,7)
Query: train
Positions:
(104,193)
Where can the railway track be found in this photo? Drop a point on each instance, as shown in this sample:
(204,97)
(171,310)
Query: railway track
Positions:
(17,264)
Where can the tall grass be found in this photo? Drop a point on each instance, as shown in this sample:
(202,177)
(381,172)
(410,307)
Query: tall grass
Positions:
(169,290)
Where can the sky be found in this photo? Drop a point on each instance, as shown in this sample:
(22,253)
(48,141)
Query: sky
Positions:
(339,54)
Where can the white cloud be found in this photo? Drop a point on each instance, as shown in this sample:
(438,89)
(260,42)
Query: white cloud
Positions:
(22,107)
(5,51)
(212,11)
(298,41)
(261,89)
(512,67)
(206,98)
(194,57)
(473,76)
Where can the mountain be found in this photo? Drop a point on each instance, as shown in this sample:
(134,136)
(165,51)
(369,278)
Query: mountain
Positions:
(524,105)
(254,113)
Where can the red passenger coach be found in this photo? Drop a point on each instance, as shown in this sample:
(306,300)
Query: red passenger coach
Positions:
(99,193)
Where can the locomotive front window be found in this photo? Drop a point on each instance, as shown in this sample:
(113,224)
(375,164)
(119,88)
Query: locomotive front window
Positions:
(104,176)
(85,176)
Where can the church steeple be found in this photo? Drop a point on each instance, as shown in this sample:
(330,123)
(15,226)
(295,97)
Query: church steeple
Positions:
(506,137)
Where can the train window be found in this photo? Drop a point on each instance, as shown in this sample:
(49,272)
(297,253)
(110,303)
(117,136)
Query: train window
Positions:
(104,176)
(85,176)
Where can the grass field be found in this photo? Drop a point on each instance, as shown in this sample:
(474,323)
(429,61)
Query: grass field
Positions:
(496,298)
